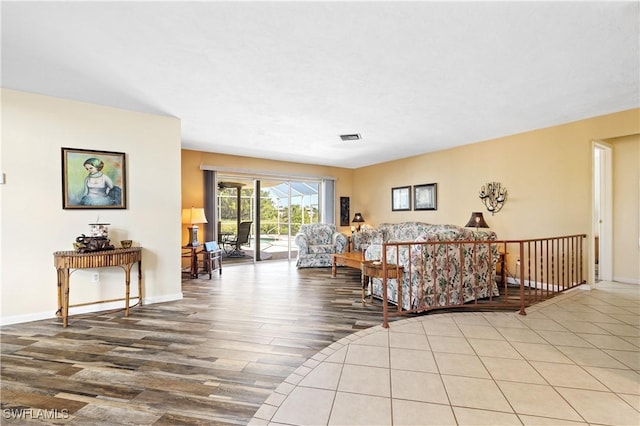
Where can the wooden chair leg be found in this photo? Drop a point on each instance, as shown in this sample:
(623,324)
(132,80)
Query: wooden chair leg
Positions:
(208,262)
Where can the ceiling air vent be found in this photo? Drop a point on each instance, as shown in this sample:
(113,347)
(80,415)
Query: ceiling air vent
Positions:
(351,137)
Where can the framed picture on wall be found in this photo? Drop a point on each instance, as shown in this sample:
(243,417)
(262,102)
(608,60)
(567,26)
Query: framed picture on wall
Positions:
(425,197)
(344,211)
(93,179)
(401,198)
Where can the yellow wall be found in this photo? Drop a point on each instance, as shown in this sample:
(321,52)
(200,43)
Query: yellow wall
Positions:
(626,208)
(193,184)
(548,173)
(33,224)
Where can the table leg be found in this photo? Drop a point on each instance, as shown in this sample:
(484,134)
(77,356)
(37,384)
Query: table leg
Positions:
(399,284)
(385,303)
(194,263)
(363,280)
(59,311)
(65,297)
(127,280)
(370,284)
(140,282)
(333,267)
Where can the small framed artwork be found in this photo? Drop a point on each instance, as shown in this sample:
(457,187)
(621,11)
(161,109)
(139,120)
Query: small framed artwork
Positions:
(401,198)
(425,197)
(93,179)
(344,211)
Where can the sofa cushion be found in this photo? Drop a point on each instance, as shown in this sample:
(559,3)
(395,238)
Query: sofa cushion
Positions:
(442,233)
(322,249)
(405,231)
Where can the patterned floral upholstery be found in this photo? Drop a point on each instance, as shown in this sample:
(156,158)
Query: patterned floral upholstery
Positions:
(316,242)
(366,237)
(447,270)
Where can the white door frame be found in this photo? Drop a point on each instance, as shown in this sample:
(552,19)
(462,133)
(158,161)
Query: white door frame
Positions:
(602,214)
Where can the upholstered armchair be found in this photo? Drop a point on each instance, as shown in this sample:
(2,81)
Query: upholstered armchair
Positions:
(316,242)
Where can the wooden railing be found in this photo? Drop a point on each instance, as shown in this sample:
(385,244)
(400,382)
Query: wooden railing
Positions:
(501,274)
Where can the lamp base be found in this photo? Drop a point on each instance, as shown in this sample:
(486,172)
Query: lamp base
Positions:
(193,237)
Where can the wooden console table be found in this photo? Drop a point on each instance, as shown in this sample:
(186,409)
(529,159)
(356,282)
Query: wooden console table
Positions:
(66,262)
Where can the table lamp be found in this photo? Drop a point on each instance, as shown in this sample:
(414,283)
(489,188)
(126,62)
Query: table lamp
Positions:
(358,219)
(476,221)
(193,217)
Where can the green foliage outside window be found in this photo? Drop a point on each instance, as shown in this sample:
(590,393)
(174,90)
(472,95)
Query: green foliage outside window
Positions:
(272,220)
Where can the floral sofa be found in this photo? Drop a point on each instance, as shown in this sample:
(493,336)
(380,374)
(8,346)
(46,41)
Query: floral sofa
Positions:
(434,275)
(316,242)
(367,236)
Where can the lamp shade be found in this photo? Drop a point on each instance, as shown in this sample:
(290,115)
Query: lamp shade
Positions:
(358,218)
(476,221)
(193,216)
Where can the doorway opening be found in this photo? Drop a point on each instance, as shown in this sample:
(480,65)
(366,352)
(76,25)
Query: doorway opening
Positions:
(602,212)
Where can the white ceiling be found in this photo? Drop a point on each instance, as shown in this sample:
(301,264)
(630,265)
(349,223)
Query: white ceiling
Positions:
(281,80)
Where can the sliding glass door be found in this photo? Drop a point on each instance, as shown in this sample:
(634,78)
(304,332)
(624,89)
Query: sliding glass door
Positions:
(274,219)
(291,204)
(277,214)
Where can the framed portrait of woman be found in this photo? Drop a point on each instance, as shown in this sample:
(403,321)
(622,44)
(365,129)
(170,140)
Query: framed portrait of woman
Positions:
(93,179)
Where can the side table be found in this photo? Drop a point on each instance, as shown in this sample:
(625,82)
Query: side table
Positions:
(211,254)
(192,252)
(374,269)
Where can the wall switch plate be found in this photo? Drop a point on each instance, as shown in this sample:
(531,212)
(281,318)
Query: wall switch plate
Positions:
(95,277)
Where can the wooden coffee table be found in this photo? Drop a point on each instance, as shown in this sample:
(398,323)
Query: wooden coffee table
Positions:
(352,259)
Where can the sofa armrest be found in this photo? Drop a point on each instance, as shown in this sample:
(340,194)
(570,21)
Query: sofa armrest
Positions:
(366,237)
(395,254)
(373,252)
(302,243)
(339,241)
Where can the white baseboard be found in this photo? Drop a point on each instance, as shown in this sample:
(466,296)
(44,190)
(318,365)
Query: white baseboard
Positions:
(162,299)
(17,319)
(95,307)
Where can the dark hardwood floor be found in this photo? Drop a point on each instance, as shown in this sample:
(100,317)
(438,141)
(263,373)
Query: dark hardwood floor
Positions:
(211,358)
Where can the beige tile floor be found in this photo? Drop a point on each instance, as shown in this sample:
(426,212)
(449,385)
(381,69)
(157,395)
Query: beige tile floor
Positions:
(572,360)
